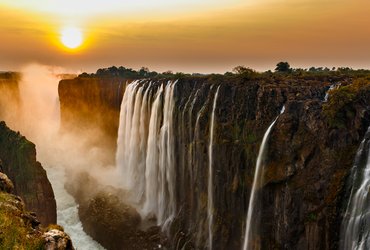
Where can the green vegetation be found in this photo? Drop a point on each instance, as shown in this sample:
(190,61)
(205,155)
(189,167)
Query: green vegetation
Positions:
(340,106)
(143,72)
(282,70)
(283,67)
(15,233)
(312,217)
(55,226)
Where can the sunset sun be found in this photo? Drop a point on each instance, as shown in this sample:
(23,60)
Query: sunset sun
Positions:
(71,37)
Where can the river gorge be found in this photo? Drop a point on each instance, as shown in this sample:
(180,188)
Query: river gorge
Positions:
(192,162)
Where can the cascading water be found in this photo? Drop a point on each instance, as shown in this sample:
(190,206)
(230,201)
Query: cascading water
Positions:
(210,206)
(333,86)
(257,184)
(355,228)
(145,149)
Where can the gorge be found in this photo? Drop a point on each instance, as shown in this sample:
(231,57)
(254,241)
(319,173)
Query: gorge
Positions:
(173,162)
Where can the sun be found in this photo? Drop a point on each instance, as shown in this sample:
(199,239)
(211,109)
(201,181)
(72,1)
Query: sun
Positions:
(71,37)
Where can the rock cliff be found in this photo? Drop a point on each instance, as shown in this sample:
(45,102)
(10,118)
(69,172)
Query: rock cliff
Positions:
(91,106)
(20,229)
(9,92)
(310,152)
(19,162)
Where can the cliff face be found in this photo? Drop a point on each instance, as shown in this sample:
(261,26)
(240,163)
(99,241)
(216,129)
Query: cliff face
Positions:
(18,157)
(310,154)
(91,106)
(244,111)
(9,95)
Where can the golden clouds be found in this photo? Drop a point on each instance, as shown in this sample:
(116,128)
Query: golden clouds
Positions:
(305,33)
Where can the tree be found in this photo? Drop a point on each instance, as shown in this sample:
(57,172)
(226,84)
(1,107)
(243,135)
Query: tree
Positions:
(144,71)
(283,67)
(243,70)
(168,72)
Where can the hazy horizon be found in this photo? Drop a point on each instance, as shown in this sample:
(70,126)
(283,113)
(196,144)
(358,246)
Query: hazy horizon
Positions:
(186,36)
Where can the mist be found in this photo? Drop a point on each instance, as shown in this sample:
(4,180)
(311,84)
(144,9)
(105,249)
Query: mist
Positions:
(35,113)
(38,118)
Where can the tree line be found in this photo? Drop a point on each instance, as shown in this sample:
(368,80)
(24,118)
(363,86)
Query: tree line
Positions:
(282,68)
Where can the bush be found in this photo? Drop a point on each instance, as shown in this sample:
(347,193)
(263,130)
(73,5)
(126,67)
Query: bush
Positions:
(339,108)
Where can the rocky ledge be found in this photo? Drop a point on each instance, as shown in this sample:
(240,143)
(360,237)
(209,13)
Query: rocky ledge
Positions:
(20,229)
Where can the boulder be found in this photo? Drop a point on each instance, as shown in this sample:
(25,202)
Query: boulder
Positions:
(57,240)
(6,184)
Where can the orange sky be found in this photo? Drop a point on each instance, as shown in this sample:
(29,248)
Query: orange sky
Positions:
(189,36)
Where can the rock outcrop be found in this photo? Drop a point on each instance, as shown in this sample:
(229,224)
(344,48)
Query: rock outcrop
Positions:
(19,162)
(310,153)
(19,229)
(57,239)
(111,222)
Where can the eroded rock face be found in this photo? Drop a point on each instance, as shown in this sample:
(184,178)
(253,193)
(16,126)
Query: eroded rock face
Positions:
(308,162)
(308,159)
(18,157)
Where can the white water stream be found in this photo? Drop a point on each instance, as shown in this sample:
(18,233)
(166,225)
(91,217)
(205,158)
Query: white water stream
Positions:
(257,184)
(67,212)
(210,206)
(355,229)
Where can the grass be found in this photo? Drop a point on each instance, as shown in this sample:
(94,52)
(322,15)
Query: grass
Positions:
(14,232)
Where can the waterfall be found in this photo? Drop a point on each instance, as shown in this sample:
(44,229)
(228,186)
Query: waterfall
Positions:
(355,228)
(257,184)
(145,148)
(210,206)
(333,86)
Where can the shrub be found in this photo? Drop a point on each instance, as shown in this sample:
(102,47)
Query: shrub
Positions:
(339,108)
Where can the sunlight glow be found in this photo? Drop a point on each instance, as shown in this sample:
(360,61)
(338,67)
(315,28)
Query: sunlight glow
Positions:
(87,8)
(71,37)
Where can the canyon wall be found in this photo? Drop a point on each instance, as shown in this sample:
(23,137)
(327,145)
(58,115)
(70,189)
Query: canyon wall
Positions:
(18,156)
(91,106)
(310,152)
